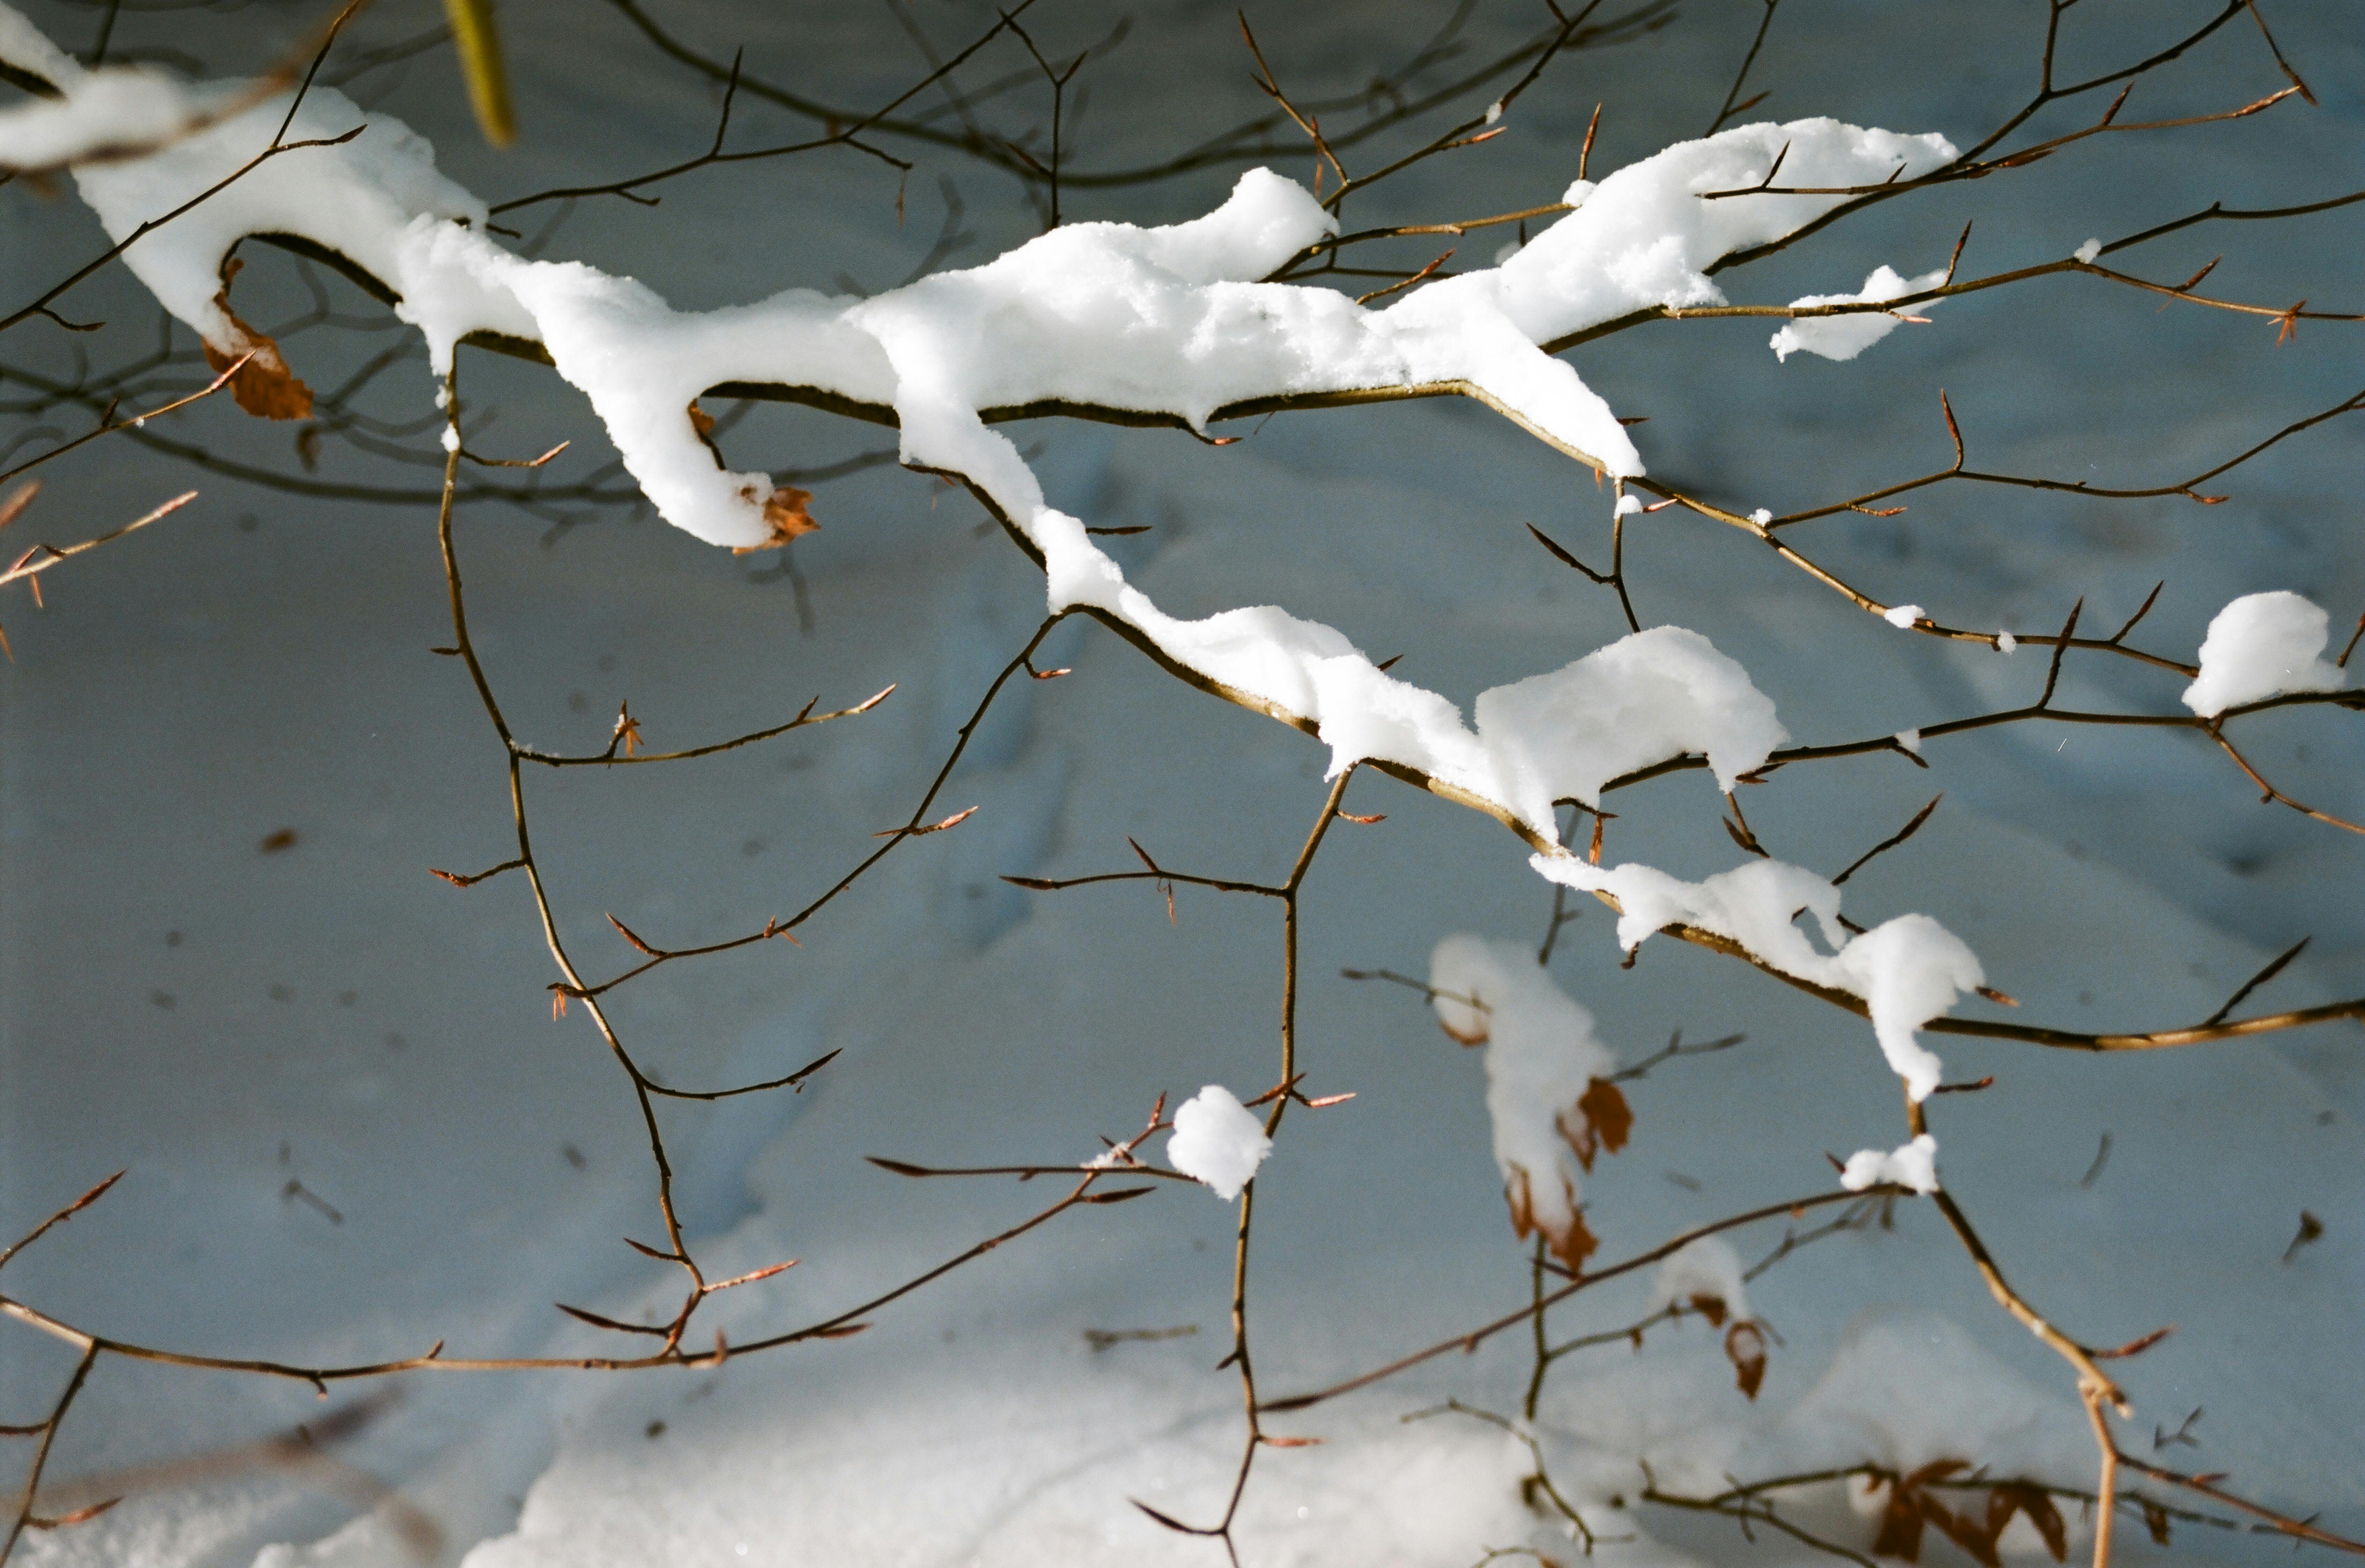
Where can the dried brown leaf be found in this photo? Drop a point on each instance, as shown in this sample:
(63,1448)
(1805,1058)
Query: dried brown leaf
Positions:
(1973,1538)
(1901,1524)
(785,515)
(264,385)
(1744,1346)
(1574,1244)
(2018,1497)
(1606,1109)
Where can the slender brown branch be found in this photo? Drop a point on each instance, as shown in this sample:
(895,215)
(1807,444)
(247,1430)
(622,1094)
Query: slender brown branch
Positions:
(1473,1339)
(2299,1529)
(610,759)
(58,1218)
(24,1515)
(108,426)
(2274,967)
(1729,107)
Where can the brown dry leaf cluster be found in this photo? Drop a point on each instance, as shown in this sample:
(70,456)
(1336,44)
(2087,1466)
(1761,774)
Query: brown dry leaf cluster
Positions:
(1571,1245)
(1744,1343)
(1910,1508)
(1599,1122)
(264,385)
(785,511)
(785,514)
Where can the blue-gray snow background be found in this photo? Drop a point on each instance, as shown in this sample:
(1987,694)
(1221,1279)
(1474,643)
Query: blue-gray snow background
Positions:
(223,1022)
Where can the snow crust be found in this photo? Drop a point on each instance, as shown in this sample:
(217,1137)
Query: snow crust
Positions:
(1913,1165)
(1541,1055)
(2262,645)
(1907,970)
(1217,1140)
(1845,337)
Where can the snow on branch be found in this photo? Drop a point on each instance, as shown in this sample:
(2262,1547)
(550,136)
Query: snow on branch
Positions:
(1907,970)
(1217,1141)
(1845,337)
(2262,645)
(1168,321)
(1548,1086)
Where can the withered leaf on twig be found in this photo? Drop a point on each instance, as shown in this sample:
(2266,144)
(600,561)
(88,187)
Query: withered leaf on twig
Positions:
(1744,1345)
(1573,1244)
(1606,1121)
(2020,1497)
(785,514)
(264,385)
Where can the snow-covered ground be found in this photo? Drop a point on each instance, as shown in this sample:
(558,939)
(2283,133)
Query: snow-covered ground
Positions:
(225,1021)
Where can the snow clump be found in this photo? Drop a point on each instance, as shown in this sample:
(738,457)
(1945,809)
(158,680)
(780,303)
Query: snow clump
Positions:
(1913,1165)
(2262,645)
(1217,1141)
(1706,1268)
(1650,696)
(1543,1062)
(1907,970)
(1170,320)
(1902,616)
(1845,337)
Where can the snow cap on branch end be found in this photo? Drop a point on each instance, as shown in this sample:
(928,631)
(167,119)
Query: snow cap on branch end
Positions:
(1913,1165)
(2262,645)
(1217,1141)
(1845,337)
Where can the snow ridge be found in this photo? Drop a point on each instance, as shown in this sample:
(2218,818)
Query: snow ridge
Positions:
(1169,320)
(1907,970)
